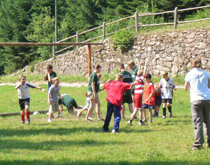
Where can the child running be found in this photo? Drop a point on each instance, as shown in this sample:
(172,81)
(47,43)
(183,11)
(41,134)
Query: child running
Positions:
(167,86)
(24,97)
(149,97)
(115,91)
(53,95)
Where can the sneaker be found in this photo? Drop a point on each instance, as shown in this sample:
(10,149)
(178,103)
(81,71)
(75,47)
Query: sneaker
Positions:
(196,147)
(141,123)
(22,122)
(100,119)
(88,120)
(150,121)
(114,131)
(28,122)
(49,120)
(163,117)
(130,122)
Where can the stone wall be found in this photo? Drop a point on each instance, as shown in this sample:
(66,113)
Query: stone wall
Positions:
(168,51)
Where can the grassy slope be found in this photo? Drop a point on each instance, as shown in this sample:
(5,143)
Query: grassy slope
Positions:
(73,141)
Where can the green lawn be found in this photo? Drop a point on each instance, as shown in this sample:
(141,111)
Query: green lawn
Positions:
(72,141)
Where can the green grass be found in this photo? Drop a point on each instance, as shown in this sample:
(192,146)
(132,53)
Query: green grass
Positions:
(72,141)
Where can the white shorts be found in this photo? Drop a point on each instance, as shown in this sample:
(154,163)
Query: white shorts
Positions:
(53,107)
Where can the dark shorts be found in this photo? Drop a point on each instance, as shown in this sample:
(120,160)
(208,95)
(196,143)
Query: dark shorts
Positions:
(73,104)
(23,103)
(146,106)
(158,100)
(127,99)
(167,101)
(132,91)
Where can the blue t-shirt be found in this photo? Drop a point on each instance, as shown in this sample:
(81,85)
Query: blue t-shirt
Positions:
(198,80)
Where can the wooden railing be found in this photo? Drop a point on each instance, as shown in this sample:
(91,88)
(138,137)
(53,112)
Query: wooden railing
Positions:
(137,25)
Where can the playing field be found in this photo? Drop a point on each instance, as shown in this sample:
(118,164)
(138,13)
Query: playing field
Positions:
(72,141)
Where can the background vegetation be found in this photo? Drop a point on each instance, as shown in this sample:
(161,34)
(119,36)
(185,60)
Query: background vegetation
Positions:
(23,20)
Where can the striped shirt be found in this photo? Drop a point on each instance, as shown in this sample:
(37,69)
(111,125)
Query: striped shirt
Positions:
(139,87)
(23,91)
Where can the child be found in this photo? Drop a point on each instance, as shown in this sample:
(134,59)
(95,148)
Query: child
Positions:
(53,98)
(167,86)
(24,97)
(50,75)
(138,92)
(115,91)
(149,96)
(158,100)
(69,102)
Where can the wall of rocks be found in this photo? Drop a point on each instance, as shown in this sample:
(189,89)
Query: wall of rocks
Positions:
(167,51)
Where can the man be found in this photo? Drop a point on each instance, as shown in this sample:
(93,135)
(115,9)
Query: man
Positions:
(134,69)
(198,81)
(50,75)
(127,97)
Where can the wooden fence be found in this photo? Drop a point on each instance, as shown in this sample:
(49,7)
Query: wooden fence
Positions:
(138,25)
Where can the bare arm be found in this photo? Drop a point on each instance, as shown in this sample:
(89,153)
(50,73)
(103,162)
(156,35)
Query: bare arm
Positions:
(49,99)
(94,89)
(152,94)
(18,86)
(37,87)
(145,67)
(209,83)
(186,86)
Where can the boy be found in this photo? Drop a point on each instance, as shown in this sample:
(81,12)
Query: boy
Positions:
(127,97)
(134,69)
(115,91)
(138,92)
(50,75)
(69,102)
(24,97)
(53,97)
(167,86)
(158,101)
(149,96)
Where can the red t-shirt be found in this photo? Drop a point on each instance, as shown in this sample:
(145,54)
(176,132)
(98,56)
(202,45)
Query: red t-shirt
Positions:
(148,89)
(115,91)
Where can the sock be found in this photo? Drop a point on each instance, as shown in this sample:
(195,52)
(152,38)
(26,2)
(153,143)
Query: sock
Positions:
(140,121)
(22,118)
(156,113)
(28,115)
(169,109)
(131,121)
(164,111)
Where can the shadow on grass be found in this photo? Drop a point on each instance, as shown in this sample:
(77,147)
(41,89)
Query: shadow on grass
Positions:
(38,162)
(52,144)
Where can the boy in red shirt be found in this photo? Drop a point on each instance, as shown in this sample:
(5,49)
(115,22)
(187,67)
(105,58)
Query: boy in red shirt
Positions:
(115,91)
(149,96)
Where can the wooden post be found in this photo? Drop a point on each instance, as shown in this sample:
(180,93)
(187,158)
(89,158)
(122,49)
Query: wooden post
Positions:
(175,17)
(77,38)
(53,51)
(56,26)
(89,60)
(136,21)
(103,30)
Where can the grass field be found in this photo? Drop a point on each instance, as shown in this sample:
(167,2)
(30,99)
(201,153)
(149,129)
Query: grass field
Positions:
(72,141)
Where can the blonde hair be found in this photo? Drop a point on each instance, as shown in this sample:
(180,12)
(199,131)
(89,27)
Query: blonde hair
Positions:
(140,73)
(131,63)
(119,76)
(165,74)
(196,63)
(54,79)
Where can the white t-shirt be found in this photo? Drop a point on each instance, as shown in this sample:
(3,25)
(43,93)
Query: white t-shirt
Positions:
(23,91)
(53,92)
(198,80)
(167,88)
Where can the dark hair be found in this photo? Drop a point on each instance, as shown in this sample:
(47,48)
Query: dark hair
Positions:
(97,66)
(149,76)
(49,66)
(196,63)
(22,77)
(121,66)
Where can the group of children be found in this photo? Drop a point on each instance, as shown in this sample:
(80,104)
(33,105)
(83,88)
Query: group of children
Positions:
(127,88)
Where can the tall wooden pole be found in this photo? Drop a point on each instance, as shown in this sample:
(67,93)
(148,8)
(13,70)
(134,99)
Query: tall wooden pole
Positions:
(89,60)
(136,21)
(56,25)
(175,17)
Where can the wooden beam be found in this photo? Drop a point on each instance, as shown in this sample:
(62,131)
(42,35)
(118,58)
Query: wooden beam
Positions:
(89,60)
(44,44)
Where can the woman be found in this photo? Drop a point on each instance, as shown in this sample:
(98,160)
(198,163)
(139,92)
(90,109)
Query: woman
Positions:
(198,81)
(93,89)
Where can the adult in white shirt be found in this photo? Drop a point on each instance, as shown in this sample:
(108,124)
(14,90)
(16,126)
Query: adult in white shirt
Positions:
(167,86)
(198,81)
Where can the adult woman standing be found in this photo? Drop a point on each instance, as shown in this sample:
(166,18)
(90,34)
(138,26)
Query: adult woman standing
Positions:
(198,81)
(93,89)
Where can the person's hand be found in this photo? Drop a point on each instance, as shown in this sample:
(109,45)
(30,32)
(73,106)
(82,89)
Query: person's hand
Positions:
(94,96)
(43,90)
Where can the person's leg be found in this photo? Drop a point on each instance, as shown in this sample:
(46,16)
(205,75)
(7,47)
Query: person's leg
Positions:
(27,113)
(98,106)
(60,112)
(131,107)
(145,115)
(197,116)
(206,119)
(117,118)
(108,117)
(164,110)
(122,111)
(141,117)
(157,108)
(80,112)
(169,109)
(134,113)
(90,109)
(22,115)
(150,115)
